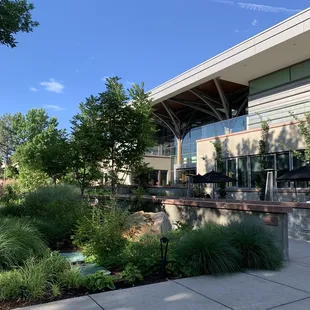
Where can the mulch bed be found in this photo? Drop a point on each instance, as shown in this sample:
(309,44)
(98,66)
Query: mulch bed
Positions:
(9,305)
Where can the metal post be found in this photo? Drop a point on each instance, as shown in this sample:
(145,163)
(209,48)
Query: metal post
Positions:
(163,242)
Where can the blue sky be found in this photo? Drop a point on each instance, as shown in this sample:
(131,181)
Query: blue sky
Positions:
(79,43)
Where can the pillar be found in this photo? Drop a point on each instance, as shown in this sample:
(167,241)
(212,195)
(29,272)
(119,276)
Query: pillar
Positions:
(179,151)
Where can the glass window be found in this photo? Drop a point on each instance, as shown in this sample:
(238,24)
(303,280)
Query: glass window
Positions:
(164,174)
(270,81)
(255,170)
(300,71)
(242,172)
(297,163)
(283,166)
(232,169)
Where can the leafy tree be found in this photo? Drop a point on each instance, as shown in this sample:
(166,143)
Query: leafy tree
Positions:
(85,144)
(48,151)
(15,16)
(121,127)
(7,144)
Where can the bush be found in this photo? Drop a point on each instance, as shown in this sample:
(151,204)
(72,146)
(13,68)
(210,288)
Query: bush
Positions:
(255,245)
(131,274)
(15,210)
(71,278)
(19,240)
(144,254)
(207,251)
(104,235)
(37,278)
(99,281)
(58,210)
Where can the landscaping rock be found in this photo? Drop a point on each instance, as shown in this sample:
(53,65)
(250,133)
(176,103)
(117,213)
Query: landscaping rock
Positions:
(154,223)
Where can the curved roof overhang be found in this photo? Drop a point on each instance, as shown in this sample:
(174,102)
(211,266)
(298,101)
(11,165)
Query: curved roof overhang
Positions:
(218,88)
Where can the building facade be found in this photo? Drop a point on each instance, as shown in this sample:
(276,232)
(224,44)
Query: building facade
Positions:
(266,77)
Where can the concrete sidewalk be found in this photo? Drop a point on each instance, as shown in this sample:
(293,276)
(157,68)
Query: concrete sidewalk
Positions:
(261,290)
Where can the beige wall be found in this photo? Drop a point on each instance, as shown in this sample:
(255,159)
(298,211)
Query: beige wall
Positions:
(159,163)
(246,143)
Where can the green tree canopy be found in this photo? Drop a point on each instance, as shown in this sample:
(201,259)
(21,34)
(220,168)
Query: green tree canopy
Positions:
(120,125)
(15,16)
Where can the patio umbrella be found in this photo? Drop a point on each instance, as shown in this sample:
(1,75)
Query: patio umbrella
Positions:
(198,179)
(300,174)
(216,177)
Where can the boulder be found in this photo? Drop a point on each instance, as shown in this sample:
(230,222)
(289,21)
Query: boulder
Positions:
(154,223)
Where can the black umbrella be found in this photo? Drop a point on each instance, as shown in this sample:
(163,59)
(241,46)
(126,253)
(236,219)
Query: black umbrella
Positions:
(300,174)
(198,179)
(216,177)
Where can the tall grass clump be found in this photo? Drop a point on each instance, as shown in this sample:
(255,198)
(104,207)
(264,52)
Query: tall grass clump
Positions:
(38,278)
(207,251)
(255,244)
(19,240)
(56,211)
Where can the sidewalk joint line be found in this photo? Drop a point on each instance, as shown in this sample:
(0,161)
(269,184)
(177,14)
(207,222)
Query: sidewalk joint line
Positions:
(288,303)
(95,302)
(218,302)
(298,289)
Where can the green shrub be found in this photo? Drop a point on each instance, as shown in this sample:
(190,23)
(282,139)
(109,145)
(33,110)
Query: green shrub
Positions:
(38,277)
(255,244)
(103,235)
(71,278)
(99,281)
(19,240)
(131,274)
(15,210)
(59,207)
(207,251)
(144,254)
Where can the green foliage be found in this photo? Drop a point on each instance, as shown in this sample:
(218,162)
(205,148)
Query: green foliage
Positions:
(19,240)
(35,279)
(7,144)
(32,179)
(255,245)
(111,123)
(141,174)
(99,282)
(71,278)
(9,194)
(263,160)
(220,166)
(58,210)
(12,210)
(48,152)
(15,16)
(304,127)
(207,251)
(144,254)
(131,274)
(103,235)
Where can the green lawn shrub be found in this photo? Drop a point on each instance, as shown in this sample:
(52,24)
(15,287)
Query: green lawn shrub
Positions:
(255,244)
(56,211)
(131,274)
(19,240)
(38,277)
(207,251)
(105,234)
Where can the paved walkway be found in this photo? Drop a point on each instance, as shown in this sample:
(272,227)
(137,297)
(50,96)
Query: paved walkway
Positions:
(259,290)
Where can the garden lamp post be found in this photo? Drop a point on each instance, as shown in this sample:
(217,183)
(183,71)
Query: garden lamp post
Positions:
(163,250)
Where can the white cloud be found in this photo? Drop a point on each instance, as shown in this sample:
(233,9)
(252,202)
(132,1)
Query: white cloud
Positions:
(266,8)
(254,22)
(53,107)
(53,86)
(259,7)
(240,31)
(33,89)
